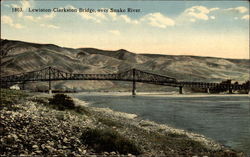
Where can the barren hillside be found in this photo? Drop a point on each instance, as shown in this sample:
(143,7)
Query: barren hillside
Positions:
(18,57)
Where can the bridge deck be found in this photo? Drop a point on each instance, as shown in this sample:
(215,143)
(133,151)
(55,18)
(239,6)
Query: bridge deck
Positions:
(134,75)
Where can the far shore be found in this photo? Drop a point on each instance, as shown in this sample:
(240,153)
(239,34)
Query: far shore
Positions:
(160,94)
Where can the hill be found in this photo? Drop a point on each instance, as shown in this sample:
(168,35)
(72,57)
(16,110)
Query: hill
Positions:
(19,56)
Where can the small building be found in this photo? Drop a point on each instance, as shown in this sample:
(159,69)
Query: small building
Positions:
(15,87)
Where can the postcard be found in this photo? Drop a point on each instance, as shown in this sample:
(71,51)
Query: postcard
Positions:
(125,78)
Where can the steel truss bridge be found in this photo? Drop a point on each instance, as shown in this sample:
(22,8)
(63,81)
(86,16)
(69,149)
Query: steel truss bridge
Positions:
(134,75)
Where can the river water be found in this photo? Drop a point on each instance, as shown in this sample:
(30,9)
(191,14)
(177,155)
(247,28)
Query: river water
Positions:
(224,118)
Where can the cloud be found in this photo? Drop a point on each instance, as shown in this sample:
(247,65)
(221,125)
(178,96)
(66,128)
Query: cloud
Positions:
(113,15)
(212,17)
(9,21)
(197,12)
(95,17)
(48,16)
(121,18)
(18,26)
(31,18)
(38,18)
(158,20)
(240,9)
(115,32)
(128,19)
(214,9)
(92,17)
(15,6)
(153,19)
(245,17)
(49,26)
(99,17)
(192,20)
(25,4)
(20,14)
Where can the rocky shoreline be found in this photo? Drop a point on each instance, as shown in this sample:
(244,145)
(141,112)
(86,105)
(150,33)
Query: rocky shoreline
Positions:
(29,127)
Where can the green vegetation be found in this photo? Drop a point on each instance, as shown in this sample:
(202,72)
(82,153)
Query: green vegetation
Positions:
(169,141)
(62,102)
(11,97)
(108,140)
(109,122)
(40,100)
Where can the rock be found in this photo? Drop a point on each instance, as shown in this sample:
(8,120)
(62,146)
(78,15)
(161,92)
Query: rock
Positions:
(9,139)
(65,140)
(50,149)
(106,153)
(43,146)
(15,146)
(35,147)
(60,151)
(38,152)
(14,136)
(33,154)
(79,149)
(51,143)
(84,151)
(112,153)
(65,147)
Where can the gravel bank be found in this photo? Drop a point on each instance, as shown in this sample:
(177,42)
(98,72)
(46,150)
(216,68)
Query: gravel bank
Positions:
(30,127)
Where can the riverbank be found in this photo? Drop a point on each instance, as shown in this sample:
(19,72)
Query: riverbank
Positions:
(29,126)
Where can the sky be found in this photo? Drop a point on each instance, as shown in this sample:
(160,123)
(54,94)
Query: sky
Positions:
(200,28)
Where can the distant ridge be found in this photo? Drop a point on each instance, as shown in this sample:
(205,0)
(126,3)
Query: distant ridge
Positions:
(20,56)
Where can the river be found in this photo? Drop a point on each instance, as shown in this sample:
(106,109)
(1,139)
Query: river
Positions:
(224,118)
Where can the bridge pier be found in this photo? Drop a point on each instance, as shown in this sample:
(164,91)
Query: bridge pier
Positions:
(230,90)
(134,83)
(23,85)
(180,90)
(50,91)
(208,91)
(134,88)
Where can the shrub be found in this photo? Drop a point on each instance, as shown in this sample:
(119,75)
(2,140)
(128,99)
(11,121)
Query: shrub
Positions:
(107,141)
(109,122)
(10,97)
(62,102)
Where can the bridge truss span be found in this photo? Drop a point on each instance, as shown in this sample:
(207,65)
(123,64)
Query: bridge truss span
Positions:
(132,75)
